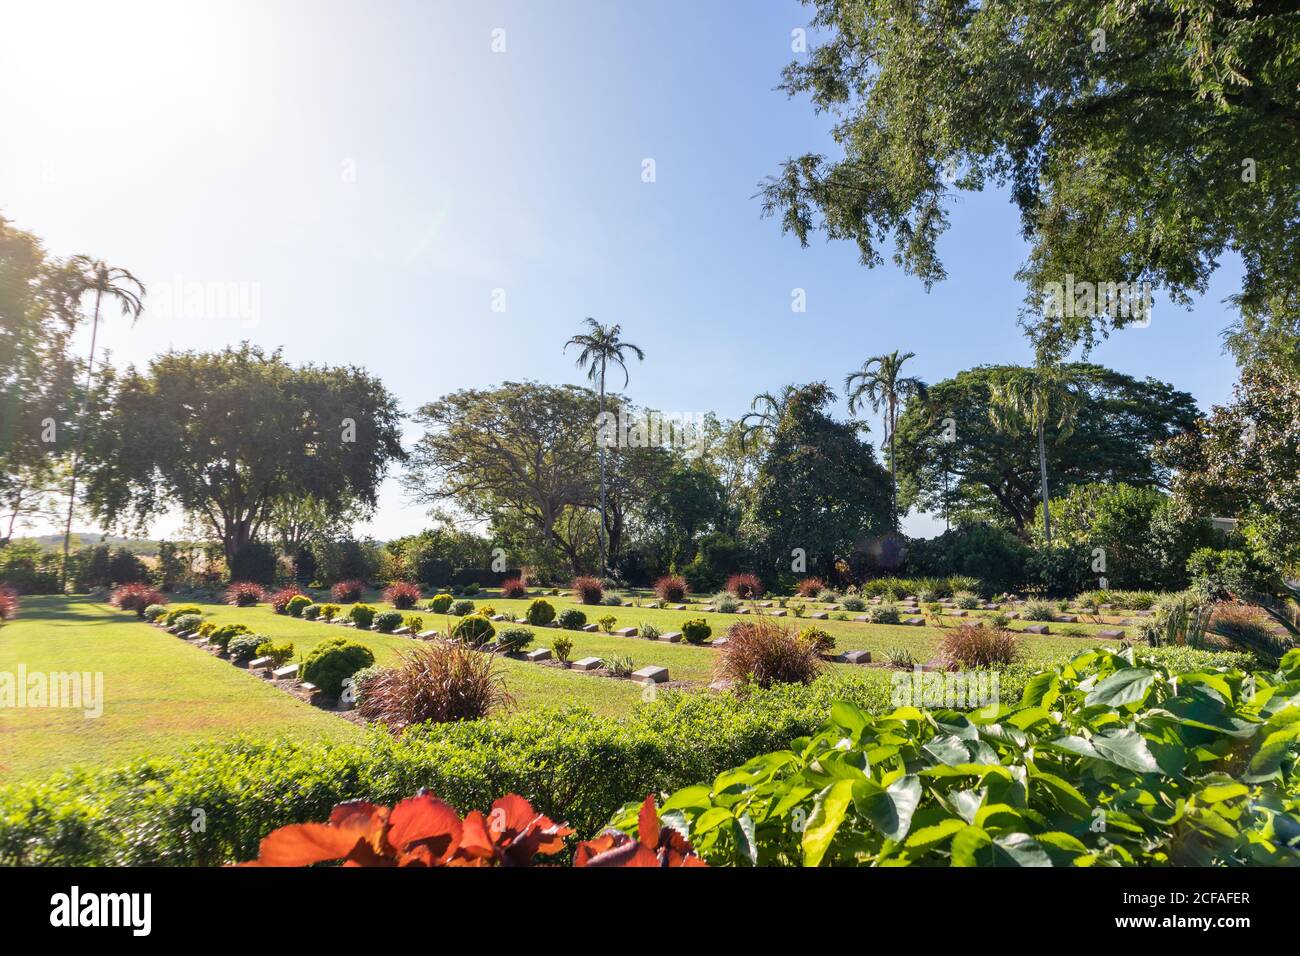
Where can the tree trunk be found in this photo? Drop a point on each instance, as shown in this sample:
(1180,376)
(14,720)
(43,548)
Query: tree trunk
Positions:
(76,448)
(604,567)
(1042,470)
(893,476)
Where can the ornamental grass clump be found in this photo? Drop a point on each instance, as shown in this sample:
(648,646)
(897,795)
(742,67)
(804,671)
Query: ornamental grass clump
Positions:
(762,652)
(438,682)
(127,597)
(244,594)
(402,595)
(971,646)
(672,588)
(589,590)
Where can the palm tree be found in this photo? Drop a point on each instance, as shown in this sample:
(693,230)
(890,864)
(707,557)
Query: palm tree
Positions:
(95,275)
(765,413)
(880,383)
(601,347)
(1023,399)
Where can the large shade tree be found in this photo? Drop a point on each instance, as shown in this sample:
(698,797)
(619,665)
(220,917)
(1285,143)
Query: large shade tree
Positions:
(950,453)
(228,436)
(1138,140)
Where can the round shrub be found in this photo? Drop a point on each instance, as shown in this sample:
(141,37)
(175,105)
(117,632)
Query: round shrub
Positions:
(810,587)
(726,604)
(514,639)
(744,586)
(612,600)
(134,597)
(151,613)
(298,604)
(243,648)
(671,588)
(886,612)
(244,594)
(819,639)
(973,646)
(224,634)
(415,623)
(311,612)
(469,590)
(362,615)
(571,619)
(280,654)
(347,592)
(853,602)
(334,661)
(402,595)
(966,600)
(188,622)
(461,608)
(540,613)
(329,611)
(180,610)
(474,630)
(1038,611)
(279,601)
(388,621)
(589,590)
(440,603)
(513,588)
(696,631)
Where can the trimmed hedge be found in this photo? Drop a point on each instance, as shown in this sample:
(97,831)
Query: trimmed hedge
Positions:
(571,764)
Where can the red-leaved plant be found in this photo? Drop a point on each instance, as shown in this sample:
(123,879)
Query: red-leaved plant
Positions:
(402,595)
(810,587)
(244,594)
(281,598)
(425,831)
(8,604)
(513,588)
(589,590)
(744,586)
(136,597)
(347,592)
(655,845)
(671,588)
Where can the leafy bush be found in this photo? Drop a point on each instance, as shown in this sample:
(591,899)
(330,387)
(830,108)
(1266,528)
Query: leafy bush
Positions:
(649,631)
(820,639)
(1227,574)
(297,605)
(562,648)
(854,603)
(279,601)
(356,686)
(461,608)
(244,594)
(764,653)
(974,646)
(329,611)
(993,558)
(151,613)
(809,587)
(187,623)
(1060,569)
(726,604)
(588,589)
(255,563)
(966,600)
(402,595)
(243,648)
(441,603)
(744,586)
(225,633)
(470,589)
(1135,600)
(672,588)
(1107,737)
(540,612)
(696,631)
(899,657)
(513,588)
(512,640)
(999,620)
(474,630)
(827,596)
(362,615)
(280,654)
(312,612)
(607,623)
(332,662)
(133,597)
(347,592)
(178,611)
(414,622)
(1038,611)
(1244,626)
(388,621)
(571,619)
(886,612)
(612,600)
(435,682)
(620,665)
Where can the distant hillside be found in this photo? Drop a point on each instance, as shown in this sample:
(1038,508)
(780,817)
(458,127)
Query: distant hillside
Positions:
(87,539)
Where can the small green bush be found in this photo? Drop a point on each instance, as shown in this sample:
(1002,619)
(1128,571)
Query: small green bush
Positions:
(461,608)
(243,648)
(440,603)
(154,611)
(388,621)
(562,648)
(886,612)
(311,612)
(415,623)
(540,612)
(474,629)
(334,661)
(571,619)
(512,640)
(280,654)
(647,630)
(819,638)
(607,623)
(470,589)
(224,634)
(966,600)
(696,631)
(726,604)
(620,665)
(330,611)
(297,604)
(853,602)
(1038,611)
(187,622)
(362,615)
(180,611)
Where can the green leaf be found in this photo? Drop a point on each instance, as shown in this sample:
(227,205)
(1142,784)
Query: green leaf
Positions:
(1041,690)
(1127,686)
(1127,749)
(828,813)
(890,810)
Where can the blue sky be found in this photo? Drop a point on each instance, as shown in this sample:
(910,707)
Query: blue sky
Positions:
(368,174)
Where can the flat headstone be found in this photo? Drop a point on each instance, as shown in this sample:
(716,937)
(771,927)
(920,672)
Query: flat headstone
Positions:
(911,599)
(719,686)
(933,666)
(672,637)
(1038,629)
(718,642)
(1110,634)
(914,621)
(650,675)
(541,654)
(201,642)
(347,623)
(588,664)
(856,657)
(1013,616)
(626,632)
(677,607)
(1145,613)
(308,688)
(742,610)
(819,616)
(1067,618)
(1105,607)
(957,613)
(591,628)
(497,617)
(709,608)
(402,630)
(779,612)
(862,619)
(286,672)
(259,662)
(764,603)
(425,635)
(988,607)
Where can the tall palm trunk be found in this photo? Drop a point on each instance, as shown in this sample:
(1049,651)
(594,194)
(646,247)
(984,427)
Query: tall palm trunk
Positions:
(1042,471)
(893,475)
(76,448)
(604,568)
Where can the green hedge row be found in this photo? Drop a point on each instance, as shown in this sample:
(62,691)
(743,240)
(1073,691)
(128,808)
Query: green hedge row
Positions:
(213,804)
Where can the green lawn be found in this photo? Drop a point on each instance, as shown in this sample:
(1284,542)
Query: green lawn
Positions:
(162,694)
